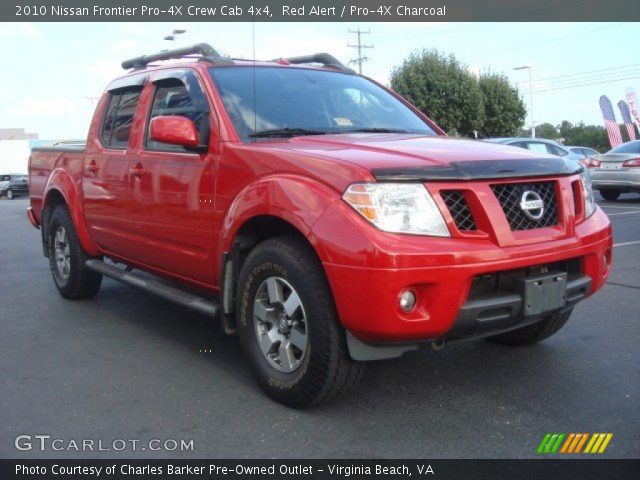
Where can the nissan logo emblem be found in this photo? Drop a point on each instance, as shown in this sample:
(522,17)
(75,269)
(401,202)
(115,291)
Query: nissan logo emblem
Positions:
(532,205)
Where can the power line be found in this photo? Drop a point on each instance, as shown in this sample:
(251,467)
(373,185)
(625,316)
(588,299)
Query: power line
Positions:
(359,46)
(534,44)
(590,71)
(613,76)
(542,90)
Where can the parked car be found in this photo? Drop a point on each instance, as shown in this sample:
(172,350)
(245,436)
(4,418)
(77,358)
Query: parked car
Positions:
(14,185)
(617,171)
(540,145)
(578,153)
(318,214)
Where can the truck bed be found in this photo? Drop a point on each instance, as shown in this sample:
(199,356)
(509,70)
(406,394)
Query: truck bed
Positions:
(44,160)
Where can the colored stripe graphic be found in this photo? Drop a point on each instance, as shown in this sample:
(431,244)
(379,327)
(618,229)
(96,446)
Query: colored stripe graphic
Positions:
(573,443)
(550,443)
(610,122)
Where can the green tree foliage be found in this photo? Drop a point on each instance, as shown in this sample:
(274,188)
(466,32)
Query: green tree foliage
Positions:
(545,130)
(593,136)
(442,88)
(504,110)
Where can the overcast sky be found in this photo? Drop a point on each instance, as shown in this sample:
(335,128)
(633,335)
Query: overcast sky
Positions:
(53,69)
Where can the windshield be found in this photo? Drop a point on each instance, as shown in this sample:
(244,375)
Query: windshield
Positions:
(629,147)
(297,101)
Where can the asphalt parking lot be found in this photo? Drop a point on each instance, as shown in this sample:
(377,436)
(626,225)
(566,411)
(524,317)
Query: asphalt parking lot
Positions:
(127,365)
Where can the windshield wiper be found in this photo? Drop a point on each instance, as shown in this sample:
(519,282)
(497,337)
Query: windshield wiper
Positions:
(286,132)
(377,130)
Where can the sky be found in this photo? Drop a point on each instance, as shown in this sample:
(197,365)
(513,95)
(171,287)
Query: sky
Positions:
(59,68)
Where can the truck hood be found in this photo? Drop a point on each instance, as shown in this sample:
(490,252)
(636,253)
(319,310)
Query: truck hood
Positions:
(408,156)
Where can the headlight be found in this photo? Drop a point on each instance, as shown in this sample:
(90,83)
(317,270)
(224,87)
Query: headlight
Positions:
(587,189)
(397,207)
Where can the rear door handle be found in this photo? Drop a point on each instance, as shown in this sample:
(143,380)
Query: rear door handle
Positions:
(92,167)
(137,171)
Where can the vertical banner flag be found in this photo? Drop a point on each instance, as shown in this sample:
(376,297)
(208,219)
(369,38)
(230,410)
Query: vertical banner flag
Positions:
(610,122)
(632,101)
(626,118)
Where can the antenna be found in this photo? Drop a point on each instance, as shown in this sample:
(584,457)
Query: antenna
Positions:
(255,113)
(361,59)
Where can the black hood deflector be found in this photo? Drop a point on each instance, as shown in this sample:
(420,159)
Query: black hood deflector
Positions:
(480,170)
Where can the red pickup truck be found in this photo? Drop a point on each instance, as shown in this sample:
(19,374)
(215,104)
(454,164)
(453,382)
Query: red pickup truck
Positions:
(319,215)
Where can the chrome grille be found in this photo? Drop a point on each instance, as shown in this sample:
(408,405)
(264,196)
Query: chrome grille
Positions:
(510,194)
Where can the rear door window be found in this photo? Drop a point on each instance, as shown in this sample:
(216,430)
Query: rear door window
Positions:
(118,119)
(553,150)
(537,147)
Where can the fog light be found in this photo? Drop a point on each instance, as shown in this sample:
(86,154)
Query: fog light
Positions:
(407,300)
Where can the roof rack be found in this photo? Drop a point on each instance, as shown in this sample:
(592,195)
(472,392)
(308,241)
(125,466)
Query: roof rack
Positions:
(322,58)
(204,49)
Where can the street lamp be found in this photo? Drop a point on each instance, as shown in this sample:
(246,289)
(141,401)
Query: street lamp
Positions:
(174,35)
(533,123)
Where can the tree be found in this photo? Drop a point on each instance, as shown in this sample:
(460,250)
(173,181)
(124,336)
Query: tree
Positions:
(593,136)
(546,130)
(442,88)
(504,110)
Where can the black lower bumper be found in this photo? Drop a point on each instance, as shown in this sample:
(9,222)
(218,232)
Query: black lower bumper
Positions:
(496,312)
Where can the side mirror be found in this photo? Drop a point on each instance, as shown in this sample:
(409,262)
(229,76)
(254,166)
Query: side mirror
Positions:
(175,130)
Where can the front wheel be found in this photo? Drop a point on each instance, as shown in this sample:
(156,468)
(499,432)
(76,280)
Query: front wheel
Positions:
(533,333)
(288,326)
(67,258)
(9,194)
(610,195)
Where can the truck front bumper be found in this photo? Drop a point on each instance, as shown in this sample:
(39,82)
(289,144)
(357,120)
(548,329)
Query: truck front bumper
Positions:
(444,278)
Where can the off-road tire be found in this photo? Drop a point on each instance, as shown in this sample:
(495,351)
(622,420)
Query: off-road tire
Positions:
(327,371)
(81,282)
(609,194)
(533,333)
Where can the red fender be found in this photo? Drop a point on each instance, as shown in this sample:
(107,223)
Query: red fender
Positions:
(61,181)
(298,200)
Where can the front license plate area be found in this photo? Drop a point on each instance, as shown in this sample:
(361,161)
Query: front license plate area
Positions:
(542,293)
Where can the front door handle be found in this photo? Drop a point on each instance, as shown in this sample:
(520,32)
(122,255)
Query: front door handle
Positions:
(137,171)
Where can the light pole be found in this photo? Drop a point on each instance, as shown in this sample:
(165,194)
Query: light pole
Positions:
(174,34)
(533,123)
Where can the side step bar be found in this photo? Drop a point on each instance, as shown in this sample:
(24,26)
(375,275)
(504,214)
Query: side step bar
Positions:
(190,300)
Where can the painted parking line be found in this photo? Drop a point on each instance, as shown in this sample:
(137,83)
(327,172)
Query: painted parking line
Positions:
(619,214)
(617,206)
(624,244)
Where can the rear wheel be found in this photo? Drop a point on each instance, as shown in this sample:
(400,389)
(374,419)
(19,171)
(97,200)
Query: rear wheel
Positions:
(610,194)
(289,328)
(67,258)
(533,333)
(10,194)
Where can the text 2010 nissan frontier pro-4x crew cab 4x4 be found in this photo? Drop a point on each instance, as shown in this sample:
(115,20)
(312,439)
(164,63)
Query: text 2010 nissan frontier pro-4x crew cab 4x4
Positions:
(318,214)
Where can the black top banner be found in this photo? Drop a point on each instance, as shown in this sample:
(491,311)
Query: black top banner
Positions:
(319,10)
